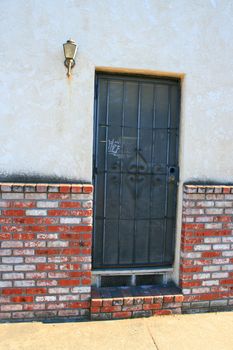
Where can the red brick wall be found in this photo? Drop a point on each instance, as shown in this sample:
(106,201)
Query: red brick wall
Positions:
(45,255)
(206,266)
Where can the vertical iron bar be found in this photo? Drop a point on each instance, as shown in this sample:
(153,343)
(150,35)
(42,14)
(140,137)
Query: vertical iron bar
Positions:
(121,170)
(136,176)
(167,166)
(105,171)
(152,159)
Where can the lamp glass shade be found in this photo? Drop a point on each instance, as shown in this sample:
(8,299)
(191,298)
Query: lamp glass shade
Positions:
(70,49)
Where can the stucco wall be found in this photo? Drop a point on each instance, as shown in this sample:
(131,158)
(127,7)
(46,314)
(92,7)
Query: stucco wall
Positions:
(46,120)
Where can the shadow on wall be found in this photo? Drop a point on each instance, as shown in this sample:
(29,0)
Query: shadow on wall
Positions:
(36,178)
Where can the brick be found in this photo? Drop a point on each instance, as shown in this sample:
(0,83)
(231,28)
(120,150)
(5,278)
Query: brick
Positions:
(204,204)
(58,290)
(201,276)
(213,225)
(12,307)
(5,268)
(47,283)
(227,239)
(111,308)
(142,313)
(83,289)
(55,306)
(125,314)
(22,204)
(222,218)
(23,252)
(25,267)
(179,298)
(133,307)
(210,254)
(96,303)
(211,268)
(221,261)
(45,298)
(5,236)
(221,246)
(58,196)
(65,188)
(12,276)
(227,267)
(227,281)
(12,291)
(4,299)
(162,312)
(36,212)
(68,282)
(204,219)
(34,306)
(12,196)
(152,306)
(69,297)
(35,196)
(218,303)
(47,204)
(212,239)
(76,188)
(57,244)
(35,259)
(87,188)
(74,212)
(5,284)
(214,211)
(6,187)
(25,314)
(12,244)
(47,236)
(215,197)
(36,244)
(45,314)
(24,283)
(202,247)
(220,275)
(23,236)
(13,212)
(189,211)
(200,290)
(230,253)
(35,275)
(168,298)
(22,299)
(70,220)
(36,290)
(67,313)
(41,187)
(224,204)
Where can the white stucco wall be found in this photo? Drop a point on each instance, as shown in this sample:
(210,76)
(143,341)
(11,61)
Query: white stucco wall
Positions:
(46,121)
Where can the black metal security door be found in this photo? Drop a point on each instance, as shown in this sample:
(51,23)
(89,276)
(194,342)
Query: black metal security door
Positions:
(135,171)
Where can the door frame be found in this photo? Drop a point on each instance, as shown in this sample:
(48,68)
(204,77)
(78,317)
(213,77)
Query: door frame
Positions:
(109,72)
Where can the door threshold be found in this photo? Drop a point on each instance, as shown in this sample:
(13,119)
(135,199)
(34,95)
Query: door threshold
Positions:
(136,271)
(130,277)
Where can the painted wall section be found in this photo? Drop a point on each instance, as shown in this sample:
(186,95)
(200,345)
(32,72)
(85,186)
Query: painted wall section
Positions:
(47,121)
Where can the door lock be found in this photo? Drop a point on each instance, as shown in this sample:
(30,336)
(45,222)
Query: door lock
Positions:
(173,174)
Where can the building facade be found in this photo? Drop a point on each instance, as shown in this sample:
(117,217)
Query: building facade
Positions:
(116,183)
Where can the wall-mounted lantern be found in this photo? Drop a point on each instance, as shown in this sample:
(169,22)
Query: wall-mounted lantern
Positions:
(70,49)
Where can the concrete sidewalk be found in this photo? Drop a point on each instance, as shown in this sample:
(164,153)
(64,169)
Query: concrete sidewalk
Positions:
(184,332)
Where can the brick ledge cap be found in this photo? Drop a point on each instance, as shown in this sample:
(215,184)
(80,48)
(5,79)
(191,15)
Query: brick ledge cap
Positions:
(42,187)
